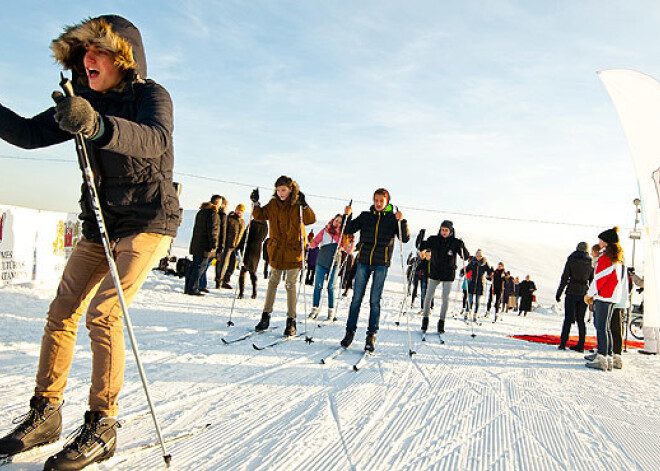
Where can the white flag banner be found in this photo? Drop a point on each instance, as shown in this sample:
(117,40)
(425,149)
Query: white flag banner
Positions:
(35,245)
(636,98)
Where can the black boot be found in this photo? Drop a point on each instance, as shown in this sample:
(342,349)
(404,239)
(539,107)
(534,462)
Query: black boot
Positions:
(348,338)
(370,343)
(253,278)
(96,441)
(425,324)
(264,322)
(41,425)
(241,285)
(290,328)
(441,326)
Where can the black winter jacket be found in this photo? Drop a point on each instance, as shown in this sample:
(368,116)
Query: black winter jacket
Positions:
(377,232)
(133,160)
(578,273)
(222,233)
(205,231)
(443,256)
(256,233)
(476,271)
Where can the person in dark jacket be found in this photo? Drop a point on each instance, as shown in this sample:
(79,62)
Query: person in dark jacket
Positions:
(126,120)
(443,249)
(222,235)
(251,248)
(202,244)
(497,286)
(203,281)
(578,273)
(526,289)
(378,227)
(234,233)
(475,271)
(509,294)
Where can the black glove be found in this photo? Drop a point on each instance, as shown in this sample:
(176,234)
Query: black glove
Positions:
(254,196)
(75,115)
(301,199)
(558,298)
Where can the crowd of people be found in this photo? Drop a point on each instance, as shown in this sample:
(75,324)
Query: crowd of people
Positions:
(130,213)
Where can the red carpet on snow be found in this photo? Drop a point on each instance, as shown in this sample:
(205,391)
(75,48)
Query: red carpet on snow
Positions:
(589,342)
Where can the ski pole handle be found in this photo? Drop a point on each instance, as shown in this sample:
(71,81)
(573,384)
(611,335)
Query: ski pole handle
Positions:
(66,85)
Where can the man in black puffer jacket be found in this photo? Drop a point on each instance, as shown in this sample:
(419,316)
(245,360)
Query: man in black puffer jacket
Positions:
(578,273)
(127,122)
(377,228)
(443,250)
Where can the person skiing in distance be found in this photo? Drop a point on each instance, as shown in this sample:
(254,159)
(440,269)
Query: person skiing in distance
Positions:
(251,249)
(476,269)
(527,288)
(378,227)
(310,258)
(508,296)
(327,242)
(604,292)
(443,250)
(127,122)
(498,285)
(222,236)
(285,244)
(202,244)
(235,230)
(577,275)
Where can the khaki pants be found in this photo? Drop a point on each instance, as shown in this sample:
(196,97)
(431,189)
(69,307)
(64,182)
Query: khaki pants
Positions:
(289,284)
(87,285)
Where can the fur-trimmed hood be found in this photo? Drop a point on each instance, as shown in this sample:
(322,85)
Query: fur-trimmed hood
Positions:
(293,197)
(110,32)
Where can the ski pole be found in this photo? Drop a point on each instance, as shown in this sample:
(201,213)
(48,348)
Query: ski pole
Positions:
(411,352)
(302,248)
(310,339)
(240,266)
(83,159)
(404,306)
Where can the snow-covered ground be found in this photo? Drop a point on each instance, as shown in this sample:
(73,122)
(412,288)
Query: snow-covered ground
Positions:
(484,403)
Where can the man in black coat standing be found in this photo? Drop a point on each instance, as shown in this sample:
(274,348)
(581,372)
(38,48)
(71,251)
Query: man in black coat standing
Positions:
(203,243)
(576,278)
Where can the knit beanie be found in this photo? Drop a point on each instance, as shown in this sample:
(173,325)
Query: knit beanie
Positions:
(582,247)
(610,236)
(448,224)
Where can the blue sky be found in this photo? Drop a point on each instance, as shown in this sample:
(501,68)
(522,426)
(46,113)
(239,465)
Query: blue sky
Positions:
(476,107)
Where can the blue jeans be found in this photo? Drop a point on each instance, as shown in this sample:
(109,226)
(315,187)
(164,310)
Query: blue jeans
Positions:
(319,279)
(473,300)
(359,286)
(602,319)
(195,270)
(202,280)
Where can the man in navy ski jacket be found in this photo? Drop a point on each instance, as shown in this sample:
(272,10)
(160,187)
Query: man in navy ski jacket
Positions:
(377,228)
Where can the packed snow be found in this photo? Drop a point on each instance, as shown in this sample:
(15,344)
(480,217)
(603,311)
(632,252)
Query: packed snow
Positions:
(484,403)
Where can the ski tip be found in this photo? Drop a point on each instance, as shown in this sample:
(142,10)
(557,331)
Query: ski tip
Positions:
(224,341)
(256,347)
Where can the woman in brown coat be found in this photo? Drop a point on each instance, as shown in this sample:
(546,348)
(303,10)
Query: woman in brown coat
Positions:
(285,248)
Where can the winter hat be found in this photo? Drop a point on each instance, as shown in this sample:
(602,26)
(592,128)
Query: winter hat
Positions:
(610,236)
(240,207)
(582,247)
(448,224)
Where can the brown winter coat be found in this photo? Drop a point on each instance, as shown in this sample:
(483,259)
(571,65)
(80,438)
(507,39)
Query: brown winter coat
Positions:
(235,228)
(284,244)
